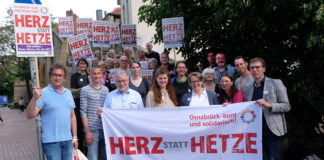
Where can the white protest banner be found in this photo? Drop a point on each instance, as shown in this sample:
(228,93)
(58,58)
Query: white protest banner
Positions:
(113,72)
(33,31)
(66,27)
(214,132)
(114,33)
(101,34)
(144,64)
(129,35)
(80,48)
(148,74)
(84,25)
(173,32)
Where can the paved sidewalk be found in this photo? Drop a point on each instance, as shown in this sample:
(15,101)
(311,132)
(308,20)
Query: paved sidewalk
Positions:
(18,138)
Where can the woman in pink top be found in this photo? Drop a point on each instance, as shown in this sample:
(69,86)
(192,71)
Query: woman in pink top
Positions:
(229,93)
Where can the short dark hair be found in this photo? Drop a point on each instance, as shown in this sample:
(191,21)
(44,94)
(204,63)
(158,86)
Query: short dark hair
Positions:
(195,74)
(258,59)
(136,63)
(84,60)
(241,57)
(57,66)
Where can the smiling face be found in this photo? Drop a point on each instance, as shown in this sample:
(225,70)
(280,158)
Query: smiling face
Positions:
(211,57)
(140,53)
(82,65)
(164,59)
(122,82)
(257,70)
(226,83)
(136,69)
(220,59)
(195,83)
(123,62)
(162,80)
(57,78)
(96,75)
(181,69)
(240,65)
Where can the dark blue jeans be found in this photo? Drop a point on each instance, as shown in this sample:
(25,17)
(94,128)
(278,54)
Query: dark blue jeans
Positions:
(271,143)
(58,150)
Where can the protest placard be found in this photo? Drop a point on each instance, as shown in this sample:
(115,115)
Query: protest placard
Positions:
(84,25)
(33,31)
(144,65)
(66,27)
(101,34)
(80,48)
(148,74)
(197,133)
(129,35)
(114,33)
(173,32)
(113,72)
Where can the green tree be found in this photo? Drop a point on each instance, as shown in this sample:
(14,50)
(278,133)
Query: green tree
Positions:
(10,64)
(287,34)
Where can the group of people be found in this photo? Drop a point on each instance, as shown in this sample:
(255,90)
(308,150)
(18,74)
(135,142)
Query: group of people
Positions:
(172,86)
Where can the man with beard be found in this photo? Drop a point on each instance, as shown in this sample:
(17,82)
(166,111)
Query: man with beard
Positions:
(222,68)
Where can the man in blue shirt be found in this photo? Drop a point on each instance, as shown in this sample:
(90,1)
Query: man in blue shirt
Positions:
(123,97)
(222,68)
(56,108)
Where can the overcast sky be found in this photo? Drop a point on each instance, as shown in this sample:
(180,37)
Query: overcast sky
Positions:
(86,9)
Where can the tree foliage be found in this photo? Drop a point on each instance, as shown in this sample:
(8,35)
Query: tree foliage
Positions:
(288,34)
(12,66)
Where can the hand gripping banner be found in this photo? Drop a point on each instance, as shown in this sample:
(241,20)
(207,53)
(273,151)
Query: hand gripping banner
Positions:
(215,132)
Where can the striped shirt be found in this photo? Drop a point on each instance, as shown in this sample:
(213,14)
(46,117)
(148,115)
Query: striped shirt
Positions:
(90,100)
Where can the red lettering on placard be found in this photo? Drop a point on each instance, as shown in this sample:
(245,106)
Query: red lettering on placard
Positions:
(114,145)
(240,137)
(224,141)
(141,145)
(249,143)
(33,38)
(172,27)
(200,144)
(128,145)
(211,143)
(129,31)
(155,149)
(31,21)
(65,23)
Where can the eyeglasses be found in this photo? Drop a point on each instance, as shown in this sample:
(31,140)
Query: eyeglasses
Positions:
(58,75)
(255,67)
(123,81)
(193,82)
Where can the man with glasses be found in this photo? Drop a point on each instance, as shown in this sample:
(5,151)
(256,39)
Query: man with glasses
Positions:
(122,97)
(56,108)
(222,68)
(271,94)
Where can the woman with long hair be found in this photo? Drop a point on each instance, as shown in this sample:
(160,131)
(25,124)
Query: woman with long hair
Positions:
(229,93)
(161,93)
(180,81)
(137,82)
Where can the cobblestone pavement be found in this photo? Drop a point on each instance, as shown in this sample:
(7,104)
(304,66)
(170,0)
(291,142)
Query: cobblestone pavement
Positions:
(18,138)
